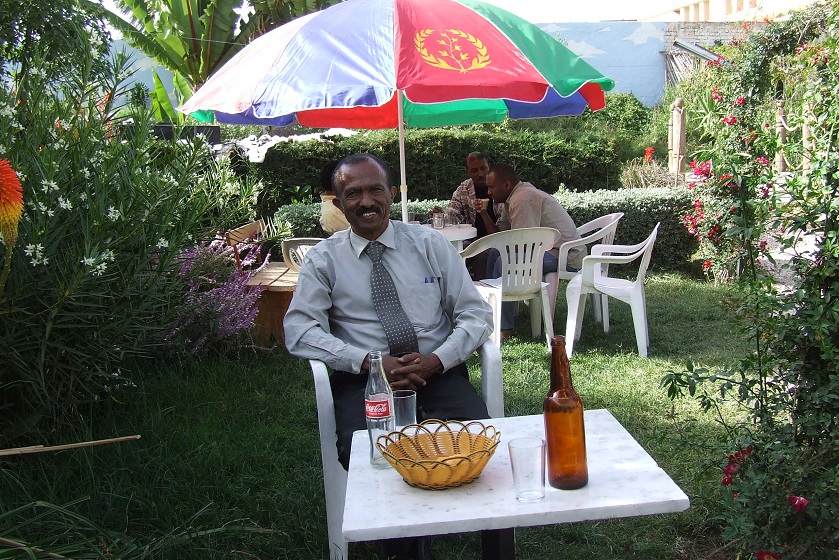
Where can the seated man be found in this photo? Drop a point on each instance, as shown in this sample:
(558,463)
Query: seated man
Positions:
(524,206)
(462,206)
(336,314)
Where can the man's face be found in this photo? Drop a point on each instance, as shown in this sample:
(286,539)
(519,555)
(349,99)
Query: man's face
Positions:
(365,198)
(499,190)
(477,170)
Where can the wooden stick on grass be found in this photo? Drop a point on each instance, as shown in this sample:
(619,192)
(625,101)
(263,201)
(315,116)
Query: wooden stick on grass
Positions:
(41,448)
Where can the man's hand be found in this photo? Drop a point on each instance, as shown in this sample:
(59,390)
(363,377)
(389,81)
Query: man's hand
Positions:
(411,370)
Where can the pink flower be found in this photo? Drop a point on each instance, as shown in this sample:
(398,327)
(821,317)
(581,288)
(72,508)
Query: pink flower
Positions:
(798,502)
(739,101)
(766,555)
(763,161)
(730,120)
(763,245)
(697,204)
(715,95)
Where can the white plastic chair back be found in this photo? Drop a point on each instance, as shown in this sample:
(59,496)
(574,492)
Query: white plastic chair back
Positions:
(334,475)
(598,230)
(521,252)
(594,279)
(295,249)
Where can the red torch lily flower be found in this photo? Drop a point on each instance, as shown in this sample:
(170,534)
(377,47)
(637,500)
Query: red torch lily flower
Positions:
(11,202)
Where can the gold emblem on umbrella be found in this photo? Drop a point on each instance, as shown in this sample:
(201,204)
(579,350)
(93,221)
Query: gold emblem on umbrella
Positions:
(452,54)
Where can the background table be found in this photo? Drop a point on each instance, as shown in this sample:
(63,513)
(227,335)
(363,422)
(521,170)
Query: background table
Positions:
(624,481)
(457,234)
(277,283)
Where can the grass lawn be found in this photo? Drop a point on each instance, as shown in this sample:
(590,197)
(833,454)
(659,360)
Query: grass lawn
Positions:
(229,465)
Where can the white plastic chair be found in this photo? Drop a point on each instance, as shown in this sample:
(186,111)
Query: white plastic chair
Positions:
(521,252)
(599,230)
(594,279)
(334,475)
(295,249)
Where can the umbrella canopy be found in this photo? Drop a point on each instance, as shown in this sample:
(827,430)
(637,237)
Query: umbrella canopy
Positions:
(376,64)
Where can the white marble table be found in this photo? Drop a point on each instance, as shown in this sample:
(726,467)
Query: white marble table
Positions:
(457,234)
(624,481)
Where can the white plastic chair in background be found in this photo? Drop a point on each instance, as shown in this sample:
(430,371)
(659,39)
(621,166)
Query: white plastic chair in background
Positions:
(295,249)
(334,475)
(594,279)
(598,230)
(521,252)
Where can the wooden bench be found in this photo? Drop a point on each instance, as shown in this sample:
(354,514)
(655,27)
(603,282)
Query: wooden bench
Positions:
(277,283)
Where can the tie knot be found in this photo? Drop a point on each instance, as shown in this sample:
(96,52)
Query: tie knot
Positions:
(375,249)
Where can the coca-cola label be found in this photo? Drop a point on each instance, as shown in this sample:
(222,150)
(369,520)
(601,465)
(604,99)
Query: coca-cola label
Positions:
(377,409)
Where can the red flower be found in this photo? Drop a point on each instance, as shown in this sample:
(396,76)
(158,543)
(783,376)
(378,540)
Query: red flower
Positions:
(730,120)
(726,479)
(705,266)
(648,153)
(715,95)
(798,502)
(739,101)
(11,202)
(766,555)
(763,245)
(697,204)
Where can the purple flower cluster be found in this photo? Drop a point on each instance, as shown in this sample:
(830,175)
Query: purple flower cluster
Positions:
(218,309)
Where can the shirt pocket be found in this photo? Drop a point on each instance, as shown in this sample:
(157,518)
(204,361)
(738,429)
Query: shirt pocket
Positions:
(420,298)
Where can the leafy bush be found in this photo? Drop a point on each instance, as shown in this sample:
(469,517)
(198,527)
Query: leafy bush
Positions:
(104,218)
(435,161)
(781,463)
(217,308)
(642,209)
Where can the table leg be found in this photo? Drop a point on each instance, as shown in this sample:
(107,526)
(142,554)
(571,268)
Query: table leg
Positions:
(271,310)
(498,544)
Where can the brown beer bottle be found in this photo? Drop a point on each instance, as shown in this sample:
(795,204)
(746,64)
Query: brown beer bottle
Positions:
(564,430)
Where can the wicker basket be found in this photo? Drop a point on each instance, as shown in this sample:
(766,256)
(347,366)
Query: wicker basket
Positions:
(435,455)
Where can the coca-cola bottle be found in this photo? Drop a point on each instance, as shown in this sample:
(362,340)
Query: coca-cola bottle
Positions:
(564,429)
(378,407)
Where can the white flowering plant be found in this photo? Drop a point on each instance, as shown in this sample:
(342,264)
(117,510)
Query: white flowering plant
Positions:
(106,210)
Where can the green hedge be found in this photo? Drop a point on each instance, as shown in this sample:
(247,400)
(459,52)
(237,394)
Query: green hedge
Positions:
(435,161)
(642,209)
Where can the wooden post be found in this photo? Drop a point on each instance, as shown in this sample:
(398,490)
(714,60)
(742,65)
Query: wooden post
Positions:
(809,144)
(781,130)
(676,138)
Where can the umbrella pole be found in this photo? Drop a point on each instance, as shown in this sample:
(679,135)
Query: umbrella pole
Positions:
(402,175)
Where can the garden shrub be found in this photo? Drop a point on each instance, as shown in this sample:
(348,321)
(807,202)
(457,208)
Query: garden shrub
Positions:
(216,309)
(435,161)
(91,284)
(781,462)
(642,209)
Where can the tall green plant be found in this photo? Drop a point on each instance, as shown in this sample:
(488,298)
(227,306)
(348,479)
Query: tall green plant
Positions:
(105,212)
(192,38)
(782,465)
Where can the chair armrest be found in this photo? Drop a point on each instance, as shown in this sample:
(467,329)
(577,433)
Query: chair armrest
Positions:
(492,381)
(592,262)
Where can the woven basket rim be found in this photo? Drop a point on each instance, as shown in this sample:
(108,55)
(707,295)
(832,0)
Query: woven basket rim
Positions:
(442,471)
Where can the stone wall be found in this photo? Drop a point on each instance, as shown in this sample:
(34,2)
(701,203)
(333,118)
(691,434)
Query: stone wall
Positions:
(706,34)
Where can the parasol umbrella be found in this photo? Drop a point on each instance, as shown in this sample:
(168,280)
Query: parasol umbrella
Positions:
(375,64)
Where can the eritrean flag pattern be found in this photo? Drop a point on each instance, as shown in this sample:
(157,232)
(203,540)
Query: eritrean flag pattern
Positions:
(447,61)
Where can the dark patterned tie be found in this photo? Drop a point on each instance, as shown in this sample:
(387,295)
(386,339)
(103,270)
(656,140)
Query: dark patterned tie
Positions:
(398,328)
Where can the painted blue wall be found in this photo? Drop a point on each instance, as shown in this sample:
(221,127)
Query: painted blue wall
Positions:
(628,52)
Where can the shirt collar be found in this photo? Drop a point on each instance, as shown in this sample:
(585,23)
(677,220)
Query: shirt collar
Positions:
(387,238)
